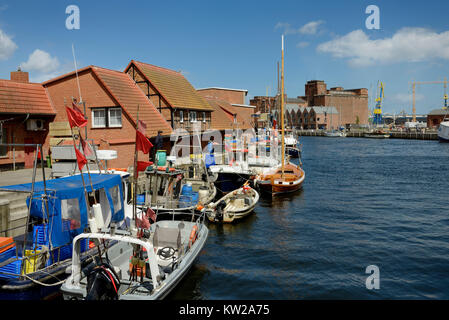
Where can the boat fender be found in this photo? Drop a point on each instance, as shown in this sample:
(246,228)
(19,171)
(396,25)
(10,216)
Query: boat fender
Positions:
(193,235)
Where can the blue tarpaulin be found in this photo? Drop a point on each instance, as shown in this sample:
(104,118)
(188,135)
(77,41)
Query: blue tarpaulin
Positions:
(66,200)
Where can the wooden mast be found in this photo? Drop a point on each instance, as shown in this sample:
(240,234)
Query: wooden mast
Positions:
(282,106)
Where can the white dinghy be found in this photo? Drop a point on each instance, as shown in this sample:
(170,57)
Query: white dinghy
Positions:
(233,206)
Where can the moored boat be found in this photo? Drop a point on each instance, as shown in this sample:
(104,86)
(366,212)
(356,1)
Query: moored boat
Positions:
(443,131)
(233,206)
(281,180)
(146,265)
(58,209)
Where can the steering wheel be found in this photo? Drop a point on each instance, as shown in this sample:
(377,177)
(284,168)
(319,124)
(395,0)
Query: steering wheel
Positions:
(166,252)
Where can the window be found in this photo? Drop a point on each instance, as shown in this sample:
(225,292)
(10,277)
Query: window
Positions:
(204,116)
(99,118)
(115,195)
(71,218)
(181,116)
(115,117)
(192,116)
(3,139)
(107,117)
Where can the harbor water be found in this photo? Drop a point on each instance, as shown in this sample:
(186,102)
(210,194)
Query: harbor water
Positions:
(364,202)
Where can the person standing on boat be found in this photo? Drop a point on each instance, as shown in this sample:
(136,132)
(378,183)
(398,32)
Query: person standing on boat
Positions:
(210,159)
(158,142)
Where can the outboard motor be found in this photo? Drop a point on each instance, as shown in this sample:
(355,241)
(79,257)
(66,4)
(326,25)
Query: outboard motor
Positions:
(102,283)
(219,213)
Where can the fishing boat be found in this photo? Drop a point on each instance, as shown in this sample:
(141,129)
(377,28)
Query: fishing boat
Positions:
(146,265)
(233,206)
(287,177)
(168,189)
(34,263)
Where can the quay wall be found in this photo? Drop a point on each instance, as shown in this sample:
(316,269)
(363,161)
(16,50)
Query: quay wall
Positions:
(394,135)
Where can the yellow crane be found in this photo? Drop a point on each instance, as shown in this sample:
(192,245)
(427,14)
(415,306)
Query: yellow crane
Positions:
(414,83)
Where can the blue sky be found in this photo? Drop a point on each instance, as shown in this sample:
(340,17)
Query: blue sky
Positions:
(236,44)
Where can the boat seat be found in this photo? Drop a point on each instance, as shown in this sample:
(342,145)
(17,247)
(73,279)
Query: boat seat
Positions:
(167,237)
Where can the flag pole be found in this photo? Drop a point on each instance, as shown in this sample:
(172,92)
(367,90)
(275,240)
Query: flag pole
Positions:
(135,172)
(87,164)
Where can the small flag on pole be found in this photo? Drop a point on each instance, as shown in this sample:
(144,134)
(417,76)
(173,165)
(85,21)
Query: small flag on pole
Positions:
(76,119)
(151,214)
(82,161)
(141,126)
(142,143)
(87,149)
(77,109)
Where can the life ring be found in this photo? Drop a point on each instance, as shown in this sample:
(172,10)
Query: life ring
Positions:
(193,235)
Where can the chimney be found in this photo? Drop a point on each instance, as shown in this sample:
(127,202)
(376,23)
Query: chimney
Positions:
(20,76)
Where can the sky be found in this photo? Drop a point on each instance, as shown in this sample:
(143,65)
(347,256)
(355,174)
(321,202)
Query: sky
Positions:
(237,44)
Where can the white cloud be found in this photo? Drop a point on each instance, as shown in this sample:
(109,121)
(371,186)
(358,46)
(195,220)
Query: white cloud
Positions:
(302,44)
(287,28)
(40,61)
(7,46)
(311,27)
(406,45)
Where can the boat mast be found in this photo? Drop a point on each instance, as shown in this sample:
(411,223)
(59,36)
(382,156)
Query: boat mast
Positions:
(282,106)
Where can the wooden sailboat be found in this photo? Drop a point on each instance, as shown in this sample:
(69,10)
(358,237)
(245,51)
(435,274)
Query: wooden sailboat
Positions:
(286,177)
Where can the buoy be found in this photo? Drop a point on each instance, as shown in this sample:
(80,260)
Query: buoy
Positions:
(193,235)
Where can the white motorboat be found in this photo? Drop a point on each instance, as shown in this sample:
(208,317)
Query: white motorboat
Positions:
(146,265)
(443,131)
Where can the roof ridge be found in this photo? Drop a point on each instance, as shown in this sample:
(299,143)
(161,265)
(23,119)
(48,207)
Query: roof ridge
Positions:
(158,67)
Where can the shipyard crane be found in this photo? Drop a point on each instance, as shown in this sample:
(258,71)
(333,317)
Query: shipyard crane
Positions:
(414,83)
(377,120)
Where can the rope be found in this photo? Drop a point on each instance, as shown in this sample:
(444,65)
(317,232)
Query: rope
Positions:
(44,284)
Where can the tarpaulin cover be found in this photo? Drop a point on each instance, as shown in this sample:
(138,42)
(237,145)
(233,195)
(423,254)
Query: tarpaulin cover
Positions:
(70,188)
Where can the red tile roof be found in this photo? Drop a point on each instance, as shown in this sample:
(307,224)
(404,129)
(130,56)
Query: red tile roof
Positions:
(125,91)
(22,98)
(223,115)
(173,86)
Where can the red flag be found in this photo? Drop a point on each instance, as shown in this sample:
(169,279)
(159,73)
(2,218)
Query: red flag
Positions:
(142,165)
(151,214)
(143,223)
(87,149)
(80,159)
(76,119)
(141,126)
(142,143)
(77,109)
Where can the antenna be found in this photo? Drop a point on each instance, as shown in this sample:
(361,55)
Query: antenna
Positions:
(76,71)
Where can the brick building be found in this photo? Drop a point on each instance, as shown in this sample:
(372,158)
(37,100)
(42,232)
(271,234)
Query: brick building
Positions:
(112,100)
(174,97)
(435,117)
(352,104)
(230,103)
(25,113)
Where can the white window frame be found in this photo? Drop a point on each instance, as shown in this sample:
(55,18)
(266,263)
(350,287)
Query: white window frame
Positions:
(109,118)
(181,116)
(93,118)
(191,118)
